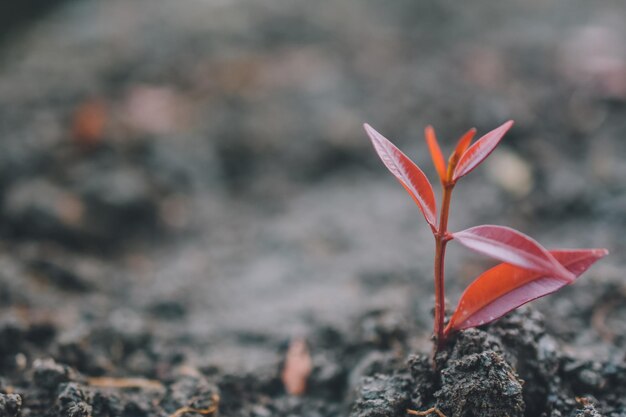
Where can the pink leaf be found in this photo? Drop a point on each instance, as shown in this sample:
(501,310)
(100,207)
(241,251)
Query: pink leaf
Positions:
(510,246)
(505,287)
(410,176)
(480,150)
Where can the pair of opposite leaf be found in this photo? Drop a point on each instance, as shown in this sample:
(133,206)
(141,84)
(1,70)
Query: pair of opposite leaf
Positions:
(528,271)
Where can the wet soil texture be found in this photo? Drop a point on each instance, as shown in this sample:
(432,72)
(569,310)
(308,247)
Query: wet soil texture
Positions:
(192,221)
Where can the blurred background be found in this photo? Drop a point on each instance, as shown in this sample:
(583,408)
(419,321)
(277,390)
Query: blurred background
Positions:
(195,171)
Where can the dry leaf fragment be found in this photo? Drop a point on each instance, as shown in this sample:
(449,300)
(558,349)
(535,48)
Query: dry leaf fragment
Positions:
(298,367)
(88,123)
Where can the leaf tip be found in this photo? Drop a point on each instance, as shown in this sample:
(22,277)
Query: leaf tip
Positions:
(601,253)
(473,155)
(373,134)
(508,124)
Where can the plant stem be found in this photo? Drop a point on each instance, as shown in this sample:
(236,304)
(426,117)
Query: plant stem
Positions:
(441,240)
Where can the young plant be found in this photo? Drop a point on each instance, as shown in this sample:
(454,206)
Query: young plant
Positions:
(528,271)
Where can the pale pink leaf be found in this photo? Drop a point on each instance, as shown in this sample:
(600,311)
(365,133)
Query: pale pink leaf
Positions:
(510,246)
(480,150)
(410,176)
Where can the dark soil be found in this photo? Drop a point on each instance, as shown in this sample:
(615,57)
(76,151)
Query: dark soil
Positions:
(185,189)
(511,368)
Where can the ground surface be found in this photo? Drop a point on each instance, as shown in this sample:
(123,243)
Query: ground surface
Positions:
(185,188)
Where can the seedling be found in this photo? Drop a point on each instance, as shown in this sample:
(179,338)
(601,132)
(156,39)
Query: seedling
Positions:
(528,271)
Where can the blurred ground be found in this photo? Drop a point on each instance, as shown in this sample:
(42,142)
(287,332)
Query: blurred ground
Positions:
(196,173)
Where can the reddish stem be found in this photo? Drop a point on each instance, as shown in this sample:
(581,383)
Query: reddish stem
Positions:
(441,240)
(440,301)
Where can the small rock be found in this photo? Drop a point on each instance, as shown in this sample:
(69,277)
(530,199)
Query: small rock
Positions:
(424,381)
(592,379)
(10,405)
(42,208)
(106,405)
(190,391)
(585,376)
(383,396)
(73,401)
(59,275)
(588,408)
(49,375)
(480,384)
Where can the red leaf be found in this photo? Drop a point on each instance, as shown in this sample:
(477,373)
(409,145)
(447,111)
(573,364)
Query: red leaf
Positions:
(505,287)
(435,152)
(410,176)
(463,144)
(480,150)
(510,246)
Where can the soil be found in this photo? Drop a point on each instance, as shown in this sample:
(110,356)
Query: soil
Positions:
(185,190)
